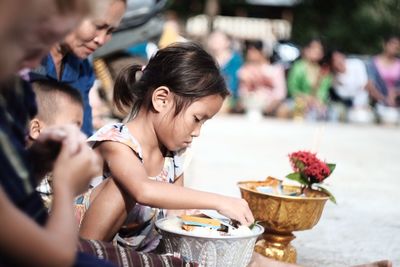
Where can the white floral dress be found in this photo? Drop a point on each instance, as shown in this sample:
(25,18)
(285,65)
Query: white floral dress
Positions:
(147,239)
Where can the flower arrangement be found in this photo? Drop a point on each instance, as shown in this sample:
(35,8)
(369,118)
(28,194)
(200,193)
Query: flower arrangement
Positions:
(310,171)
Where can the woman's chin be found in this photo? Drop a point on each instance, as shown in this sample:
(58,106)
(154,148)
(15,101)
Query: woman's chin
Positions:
(82,55)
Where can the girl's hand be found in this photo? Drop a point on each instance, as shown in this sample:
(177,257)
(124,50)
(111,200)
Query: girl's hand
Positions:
(237,209)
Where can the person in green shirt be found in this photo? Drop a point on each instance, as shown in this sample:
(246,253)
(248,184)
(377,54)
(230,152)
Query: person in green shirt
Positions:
(309,83)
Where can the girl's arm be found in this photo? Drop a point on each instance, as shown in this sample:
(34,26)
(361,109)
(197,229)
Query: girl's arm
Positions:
(130,174)
(179,180)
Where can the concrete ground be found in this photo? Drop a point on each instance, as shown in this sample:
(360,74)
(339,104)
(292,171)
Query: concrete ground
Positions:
(363,227)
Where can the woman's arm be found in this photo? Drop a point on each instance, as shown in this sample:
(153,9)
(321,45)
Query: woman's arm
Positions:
(374,92)
(24,242)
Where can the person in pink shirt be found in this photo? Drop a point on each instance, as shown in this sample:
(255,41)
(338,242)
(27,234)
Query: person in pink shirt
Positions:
(384,80)
(262,85)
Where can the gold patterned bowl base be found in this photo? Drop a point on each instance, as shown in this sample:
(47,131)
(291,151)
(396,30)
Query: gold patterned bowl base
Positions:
(277,246)
(281,215)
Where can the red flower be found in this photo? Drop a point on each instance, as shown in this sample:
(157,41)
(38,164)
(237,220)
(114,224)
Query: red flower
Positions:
(309,166)
(309,170)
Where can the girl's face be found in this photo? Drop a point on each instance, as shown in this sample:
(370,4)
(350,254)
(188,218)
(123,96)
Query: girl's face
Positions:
(178,132)
(93,33)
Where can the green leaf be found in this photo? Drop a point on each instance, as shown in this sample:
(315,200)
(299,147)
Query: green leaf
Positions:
(326,191)
(295,176)
(331,166)
(299,164)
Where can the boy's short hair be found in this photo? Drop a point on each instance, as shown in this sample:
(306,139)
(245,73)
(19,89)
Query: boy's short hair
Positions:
(47,94)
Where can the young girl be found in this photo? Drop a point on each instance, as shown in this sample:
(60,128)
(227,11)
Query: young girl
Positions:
(169,101)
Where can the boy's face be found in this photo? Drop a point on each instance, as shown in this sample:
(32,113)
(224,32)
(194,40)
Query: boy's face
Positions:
(70,112)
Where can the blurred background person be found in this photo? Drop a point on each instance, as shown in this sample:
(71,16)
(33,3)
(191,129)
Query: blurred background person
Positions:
(220,47)
(384,80)
(309,83)
(262,86)
(349,96)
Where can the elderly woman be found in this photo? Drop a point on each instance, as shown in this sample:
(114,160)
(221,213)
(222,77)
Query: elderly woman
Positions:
(67,61)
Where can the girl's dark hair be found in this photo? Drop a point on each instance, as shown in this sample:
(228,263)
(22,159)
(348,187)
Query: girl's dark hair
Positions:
(185,68)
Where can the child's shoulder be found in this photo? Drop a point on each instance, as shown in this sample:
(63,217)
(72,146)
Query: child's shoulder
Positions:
(117,132)
(182,158)
(108,131)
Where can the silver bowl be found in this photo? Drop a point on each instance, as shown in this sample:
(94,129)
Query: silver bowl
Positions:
(227,251)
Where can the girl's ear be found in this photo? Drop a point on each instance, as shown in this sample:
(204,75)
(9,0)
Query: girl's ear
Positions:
(35,127)
(162,98)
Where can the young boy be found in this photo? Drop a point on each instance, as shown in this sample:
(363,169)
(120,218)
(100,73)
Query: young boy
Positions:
(58,104)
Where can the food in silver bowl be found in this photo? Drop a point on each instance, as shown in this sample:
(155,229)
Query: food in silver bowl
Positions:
(209,247)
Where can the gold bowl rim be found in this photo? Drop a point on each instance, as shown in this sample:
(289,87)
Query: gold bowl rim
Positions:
(241,186)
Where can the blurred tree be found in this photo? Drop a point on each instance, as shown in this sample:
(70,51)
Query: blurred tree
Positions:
(352,25)
(187,8)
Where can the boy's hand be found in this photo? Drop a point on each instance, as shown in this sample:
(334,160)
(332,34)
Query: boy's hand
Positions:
(76,163)
(46,148)
(42,156)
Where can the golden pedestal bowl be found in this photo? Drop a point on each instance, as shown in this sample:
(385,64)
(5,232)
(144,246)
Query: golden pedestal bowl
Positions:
(281,215)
